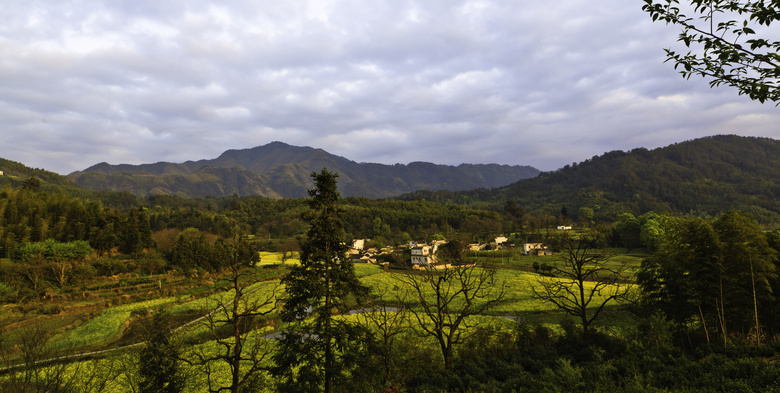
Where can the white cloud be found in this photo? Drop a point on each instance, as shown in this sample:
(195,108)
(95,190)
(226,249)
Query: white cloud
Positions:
(542,84)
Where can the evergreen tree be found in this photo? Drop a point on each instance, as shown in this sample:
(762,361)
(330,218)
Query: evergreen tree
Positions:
(318,347)
(158,366)
(130,237)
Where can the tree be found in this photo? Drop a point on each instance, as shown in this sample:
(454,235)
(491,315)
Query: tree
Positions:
(288,248)
(158,366)
(724,46)
(317,346)
(63,256)
(685,278)
(31,366)
(32,184)
(389,323)
(442,300)
(454,252)
(585,280)
(750,263)
(719,272)
(130,238)
(585,215)
(233,325)
(628,229)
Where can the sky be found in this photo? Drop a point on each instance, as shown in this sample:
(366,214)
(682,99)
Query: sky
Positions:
(387,81)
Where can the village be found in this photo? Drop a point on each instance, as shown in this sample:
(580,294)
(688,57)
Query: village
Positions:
(420,254)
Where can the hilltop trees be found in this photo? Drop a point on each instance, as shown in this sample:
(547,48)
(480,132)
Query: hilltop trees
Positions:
(317,346)
(724,46)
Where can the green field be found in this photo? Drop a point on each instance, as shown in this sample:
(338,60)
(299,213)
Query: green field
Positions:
(515,276)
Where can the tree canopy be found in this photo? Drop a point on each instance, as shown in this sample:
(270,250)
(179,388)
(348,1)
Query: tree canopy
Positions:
(728,41)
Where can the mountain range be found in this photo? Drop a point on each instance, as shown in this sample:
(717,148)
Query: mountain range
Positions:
(279,170)
(704,177)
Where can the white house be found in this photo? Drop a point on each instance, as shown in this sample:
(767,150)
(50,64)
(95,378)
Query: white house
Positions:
(421,255)
(501,240)
(564,228)
(358,244)
(535,249)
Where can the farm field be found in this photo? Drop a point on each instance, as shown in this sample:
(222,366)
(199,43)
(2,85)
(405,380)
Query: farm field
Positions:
(101,325)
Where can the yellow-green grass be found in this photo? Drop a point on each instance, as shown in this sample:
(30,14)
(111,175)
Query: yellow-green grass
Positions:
(275,258)
(109,324)
(367,269)
(517,286)
(612,323)
(106,326)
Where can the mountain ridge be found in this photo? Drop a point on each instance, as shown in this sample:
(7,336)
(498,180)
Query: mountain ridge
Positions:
(279,170)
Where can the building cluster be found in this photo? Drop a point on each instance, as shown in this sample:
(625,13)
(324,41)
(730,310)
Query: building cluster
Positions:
(421,254)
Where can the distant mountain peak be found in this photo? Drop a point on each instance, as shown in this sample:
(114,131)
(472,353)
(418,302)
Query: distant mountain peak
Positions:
(283,170)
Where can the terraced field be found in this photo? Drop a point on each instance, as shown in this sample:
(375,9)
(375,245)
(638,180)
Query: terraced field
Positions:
(110,321)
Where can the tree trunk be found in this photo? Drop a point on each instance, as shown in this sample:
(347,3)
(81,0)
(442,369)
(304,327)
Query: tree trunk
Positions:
(755,305)
(722,309)
(448,359)
(703,323)
(236,361)
(583,310)
(328,342)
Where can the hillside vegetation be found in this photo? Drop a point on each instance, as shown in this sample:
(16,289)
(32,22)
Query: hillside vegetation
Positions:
(704,176)
(278,170)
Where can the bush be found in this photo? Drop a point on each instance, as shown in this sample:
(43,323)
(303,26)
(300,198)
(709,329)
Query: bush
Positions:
(7,294)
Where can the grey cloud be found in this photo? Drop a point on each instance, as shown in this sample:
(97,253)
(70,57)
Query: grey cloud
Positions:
(542,84)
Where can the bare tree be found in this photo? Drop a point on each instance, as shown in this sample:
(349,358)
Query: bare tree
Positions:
(388,322)
(233,326)
(584,280)
(442,300)
(32,367)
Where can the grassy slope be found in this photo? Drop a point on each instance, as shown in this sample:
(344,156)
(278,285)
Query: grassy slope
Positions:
(108,326)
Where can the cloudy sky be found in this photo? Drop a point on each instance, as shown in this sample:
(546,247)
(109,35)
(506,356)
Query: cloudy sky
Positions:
(390,81)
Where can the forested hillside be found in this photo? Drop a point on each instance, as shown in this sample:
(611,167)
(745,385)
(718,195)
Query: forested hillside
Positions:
(705,176)
(278,170)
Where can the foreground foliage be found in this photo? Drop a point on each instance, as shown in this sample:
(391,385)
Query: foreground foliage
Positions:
(727,43)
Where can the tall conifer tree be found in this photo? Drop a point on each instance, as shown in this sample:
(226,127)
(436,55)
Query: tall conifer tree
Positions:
(317,346)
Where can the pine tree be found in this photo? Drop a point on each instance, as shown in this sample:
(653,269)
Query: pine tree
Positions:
(158,365)
(317,346)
